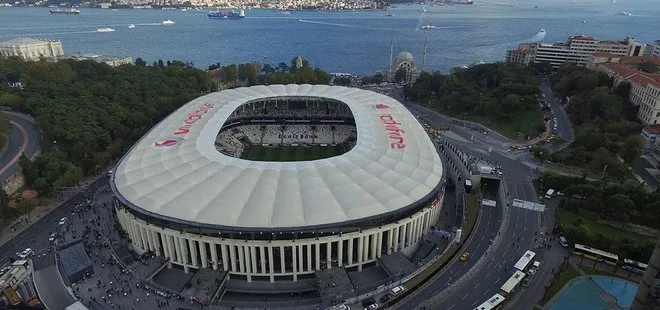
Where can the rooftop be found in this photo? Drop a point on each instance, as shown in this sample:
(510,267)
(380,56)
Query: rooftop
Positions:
(653,130)
(24,41)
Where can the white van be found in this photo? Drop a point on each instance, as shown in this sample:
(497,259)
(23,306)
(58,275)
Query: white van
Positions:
(549,193)
(563,242)
(397,290)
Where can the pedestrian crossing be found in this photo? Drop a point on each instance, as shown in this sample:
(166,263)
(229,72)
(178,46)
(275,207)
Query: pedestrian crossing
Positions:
(529,205)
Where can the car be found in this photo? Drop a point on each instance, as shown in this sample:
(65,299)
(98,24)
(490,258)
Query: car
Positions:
(465,256)
(63,221)
(531,271)
(25,253)
(373,306)
(52,237)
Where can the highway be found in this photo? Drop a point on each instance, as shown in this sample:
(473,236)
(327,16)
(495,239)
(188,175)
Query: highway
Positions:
(517,237)
(23,138)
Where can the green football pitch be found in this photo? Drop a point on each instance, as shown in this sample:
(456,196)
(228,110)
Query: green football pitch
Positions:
(291,153)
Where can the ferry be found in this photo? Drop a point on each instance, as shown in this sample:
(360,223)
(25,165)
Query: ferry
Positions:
(428,27)
(105,30)
(226,15)
(623,13)
(131,26)
(65,11)
(168,23)
(390,15)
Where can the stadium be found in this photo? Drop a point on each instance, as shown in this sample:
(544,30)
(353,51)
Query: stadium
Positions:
(274,183)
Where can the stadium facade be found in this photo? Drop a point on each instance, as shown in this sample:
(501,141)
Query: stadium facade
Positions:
(185,190)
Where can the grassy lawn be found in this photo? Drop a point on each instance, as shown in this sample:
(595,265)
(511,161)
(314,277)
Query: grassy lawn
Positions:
(569,218)
(526,122)
(597,272)
(566,273)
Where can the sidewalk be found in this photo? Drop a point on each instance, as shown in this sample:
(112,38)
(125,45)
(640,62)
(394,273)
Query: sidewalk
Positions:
(26,220)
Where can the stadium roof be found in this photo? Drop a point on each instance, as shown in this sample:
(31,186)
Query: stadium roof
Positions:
(175,172)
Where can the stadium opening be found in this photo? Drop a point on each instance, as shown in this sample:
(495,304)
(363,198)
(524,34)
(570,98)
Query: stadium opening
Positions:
(273,183)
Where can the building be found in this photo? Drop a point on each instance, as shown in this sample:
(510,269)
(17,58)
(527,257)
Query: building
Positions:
(17,286)
(652,49)
(109,60)
(183,194)
(523,55)
(650,135)
(406,61)
(31,49)
(576,49)
(648,292)
(644,87)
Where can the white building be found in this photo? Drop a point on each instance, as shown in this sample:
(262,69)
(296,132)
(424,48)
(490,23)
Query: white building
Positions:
(576,49)
(31,49)
(650,134)
(652,49)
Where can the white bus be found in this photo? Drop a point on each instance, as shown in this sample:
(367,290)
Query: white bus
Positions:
(524,261)
(596,254)
(493,303)
(634,266)
(511,284)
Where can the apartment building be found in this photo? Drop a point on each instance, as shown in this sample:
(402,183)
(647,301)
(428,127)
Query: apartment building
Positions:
(576,49)
(651,135)
(652,49)
(524,54)
(644,87)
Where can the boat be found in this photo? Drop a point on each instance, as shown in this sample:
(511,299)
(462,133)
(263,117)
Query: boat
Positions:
(542,31)
(390,15)
(584,21)
(168,23)
(105,30)
(226,15)
(131,26)
(427,27)
(285,12)
(65,11)
(623,13)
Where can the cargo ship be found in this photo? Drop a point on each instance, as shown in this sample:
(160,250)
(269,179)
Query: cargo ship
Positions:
(226,15)
(65,11)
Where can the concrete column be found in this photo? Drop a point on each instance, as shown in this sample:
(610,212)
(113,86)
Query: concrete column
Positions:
(202,254)
(225,257)
(294,262)
(232,258)
(379,244)
(365,248)
(308,249)
(317,246)
(193,252)
(374,245)
(243,264)
(328,255)
(350,251)
(301,261)
(282,266)
(395,239)
(171,248)
(253,260)
(150,242)
(271,269)
(340,253)
(184,254)
(403,235)
(360,252)
(262,256)
(390,234)
(166,248)
(214,255)
(157,241)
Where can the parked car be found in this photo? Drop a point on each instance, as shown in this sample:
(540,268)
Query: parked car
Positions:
(52,237)
(373,306)
(63,221)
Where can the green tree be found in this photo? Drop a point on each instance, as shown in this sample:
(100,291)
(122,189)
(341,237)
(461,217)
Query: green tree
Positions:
(29,170)
(140,62)
(618,206)
(401,75)
(649,66)
(632,149)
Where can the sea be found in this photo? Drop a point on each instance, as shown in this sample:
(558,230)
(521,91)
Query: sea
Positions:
(342,42)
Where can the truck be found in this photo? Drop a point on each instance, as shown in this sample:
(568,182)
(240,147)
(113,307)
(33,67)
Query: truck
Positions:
(485,169)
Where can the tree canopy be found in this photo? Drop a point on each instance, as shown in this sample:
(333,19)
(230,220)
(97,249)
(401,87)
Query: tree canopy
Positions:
(91,113)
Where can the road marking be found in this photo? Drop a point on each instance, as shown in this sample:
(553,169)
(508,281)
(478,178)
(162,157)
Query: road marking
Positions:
(498,280)
(476,285)
(24,145)
(452,306)
(464,296)
(488,274)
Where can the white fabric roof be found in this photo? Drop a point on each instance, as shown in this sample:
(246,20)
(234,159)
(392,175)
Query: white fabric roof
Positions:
(192,181)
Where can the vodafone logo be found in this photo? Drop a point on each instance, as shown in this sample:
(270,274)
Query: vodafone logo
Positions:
(169,142)
(382,106)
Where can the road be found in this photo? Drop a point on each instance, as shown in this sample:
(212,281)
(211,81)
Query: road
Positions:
(564,126)
(518,235)
(23,138)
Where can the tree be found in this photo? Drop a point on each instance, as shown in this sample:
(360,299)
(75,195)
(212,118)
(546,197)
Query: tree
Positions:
(140,62)
(401,75)
(618,206)
(649,66)
(632,149)
(29,170)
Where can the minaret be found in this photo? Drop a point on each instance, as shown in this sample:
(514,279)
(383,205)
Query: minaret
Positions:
(391,54)
(424,54)
(643,298)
